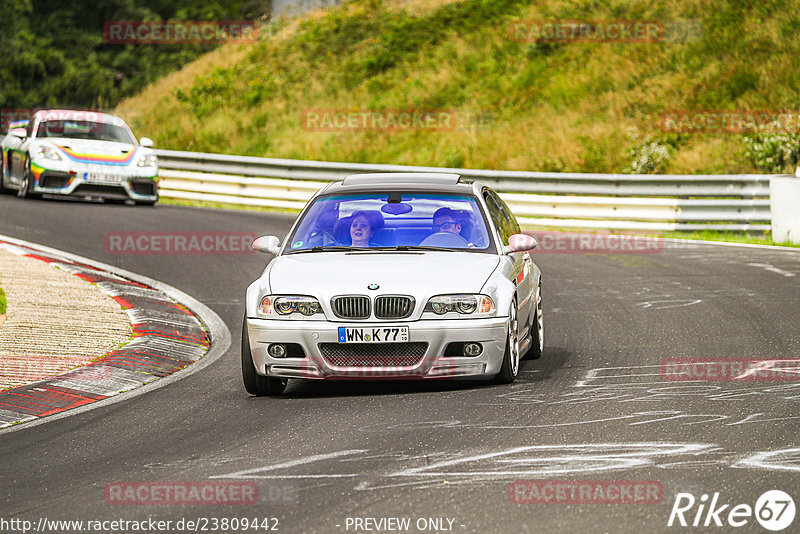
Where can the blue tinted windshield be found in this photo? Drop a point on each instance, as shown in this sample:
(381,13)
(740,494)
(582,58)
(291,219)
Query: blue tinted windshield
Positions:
(393,220)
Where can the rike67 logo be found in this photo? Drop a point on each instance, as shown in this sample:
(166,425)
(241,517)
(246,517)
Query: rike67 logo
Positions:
(774,510)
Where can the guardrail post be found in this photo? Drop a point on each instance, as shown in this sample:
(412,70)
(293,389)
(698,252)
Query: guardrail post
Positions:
(784,196)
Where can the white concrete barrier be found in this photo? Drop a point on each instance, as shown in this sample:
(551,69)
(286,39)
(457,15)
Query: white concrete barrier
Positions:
(784,197)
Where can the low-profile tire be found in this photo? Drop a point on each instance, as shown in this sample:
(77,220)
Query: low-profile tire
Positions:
(254,383)
(510,368)
(26,187)
(537,328)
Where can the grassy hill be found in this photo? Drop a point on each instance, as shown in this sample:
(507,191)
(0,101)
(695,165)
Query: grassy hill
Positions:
(583,106)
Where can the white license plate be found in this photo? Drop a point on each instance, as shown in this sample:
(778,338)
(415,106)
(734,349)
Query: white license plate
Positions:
(102,178)
(378,334)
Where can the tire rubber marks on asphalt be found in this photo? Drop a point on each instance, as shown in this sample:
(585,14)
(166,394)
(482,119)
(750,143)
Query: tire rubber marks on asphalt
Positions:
(530,460)
(267,471)
(666,304)
(512,463)
(642,384)
(772,269)
(782,460)
(543,460)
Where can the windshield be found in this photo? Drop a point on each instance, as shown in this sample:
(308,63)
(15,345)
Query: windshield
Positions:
(393,220)
(77,129)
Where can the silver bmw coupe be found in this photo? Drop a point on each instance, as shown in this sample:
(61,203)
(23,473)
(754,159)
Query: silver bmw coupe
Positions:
(394,276)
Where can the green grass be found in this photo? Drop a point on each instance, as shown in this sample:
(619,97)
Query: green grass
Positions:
(576,106)
(758,238)
(2,301)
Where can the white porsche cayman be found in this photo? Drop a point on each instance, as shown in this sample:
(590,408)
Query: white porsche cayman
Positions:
(398,276)
(80,153)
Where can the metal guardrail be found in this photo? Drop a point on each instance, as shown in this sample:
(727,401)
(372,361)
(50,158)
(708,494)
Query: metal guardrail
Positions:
(545,199)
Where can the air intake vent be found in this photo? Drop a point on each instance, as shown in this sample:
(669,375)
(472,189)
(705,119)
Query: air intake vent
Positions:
(393,307)
(373,354)
(351,307)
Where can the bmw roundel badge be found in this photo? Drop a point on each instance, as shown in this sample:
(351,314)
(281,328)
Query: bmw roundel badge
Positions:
(373,286)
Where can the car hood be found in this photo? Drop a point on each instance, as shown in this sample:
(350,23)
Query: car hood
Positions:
(420,274)
(89,146)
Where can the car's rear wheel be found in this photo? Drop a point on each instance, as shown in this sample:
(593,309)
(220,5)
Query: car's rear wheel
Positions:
(537,327)
(510,368)
(254,383)
(26,187)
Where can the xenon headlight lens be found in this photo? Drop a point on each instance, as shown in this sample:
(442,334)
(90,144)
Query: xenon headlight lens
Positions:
(46,152)
(148,160)
(275,306)
(467,304)
(462,304)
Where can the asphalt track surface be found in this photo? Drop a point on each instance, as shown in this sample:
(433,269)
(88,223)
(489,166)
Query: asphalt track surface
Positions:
(593,408)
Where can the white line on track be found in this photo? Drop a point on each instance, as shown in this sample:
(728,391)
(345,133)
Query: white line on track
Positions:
(772,269)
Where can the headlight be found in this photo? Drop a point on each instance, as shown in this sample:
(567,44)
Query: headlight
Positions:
(281,306)
(148,160)
(473,305)
(45,152)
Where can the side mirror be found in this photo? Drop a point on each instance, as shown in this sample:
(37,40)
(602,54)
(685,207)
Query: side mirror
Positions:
(18,132)
(146,142)
(267,243)
(520,243)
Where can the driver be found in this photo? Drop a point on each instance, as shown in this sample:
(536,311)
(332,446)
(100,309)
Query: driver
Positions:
(444,220)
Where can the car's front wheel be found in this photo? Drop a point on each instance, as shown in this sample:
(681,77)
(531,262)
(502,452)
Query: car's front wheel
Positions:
(26,187)
(254,383)
(510,368)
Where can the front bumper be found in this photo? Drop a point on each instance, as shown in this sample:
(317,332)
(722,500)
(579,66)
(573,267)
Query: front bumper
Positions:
(62,178)
(438,334)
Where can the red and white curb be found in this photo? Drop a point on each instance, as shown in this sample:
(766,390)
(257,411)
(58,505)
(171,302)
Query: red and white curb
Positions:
(171,332)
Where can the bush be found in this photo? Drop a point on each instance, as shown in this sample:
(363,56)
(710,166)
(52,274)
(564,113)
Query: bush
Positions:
(772,151)
(649,157)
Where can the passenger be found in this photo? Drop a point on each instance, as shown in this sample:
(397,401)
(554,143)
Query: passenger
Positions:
(363,227)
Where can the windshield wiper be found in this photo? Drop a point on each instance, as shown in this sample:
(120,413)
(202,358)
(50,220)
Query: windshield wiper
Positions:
(332,248)
(400,248)
(421,247)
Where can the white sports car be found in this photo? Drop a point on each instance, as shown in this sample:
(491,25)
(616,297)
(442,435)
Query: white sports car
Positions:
(399,276)
(81,153)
